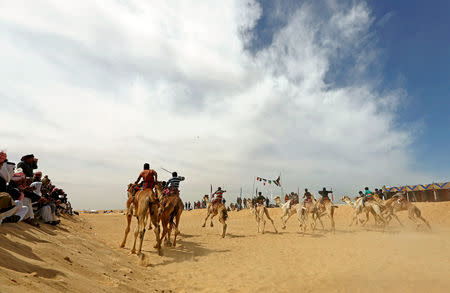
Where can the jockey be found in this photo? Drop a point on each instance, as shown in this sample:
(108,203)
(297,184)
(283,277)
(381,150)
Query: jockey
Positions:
(219,195)
(173,184)
(260,199)
(307,196)
(148,176)
(367,195)
(324,193)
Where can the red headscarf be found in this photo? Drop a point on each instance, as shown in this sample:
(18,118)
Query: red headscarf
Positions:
(2,157)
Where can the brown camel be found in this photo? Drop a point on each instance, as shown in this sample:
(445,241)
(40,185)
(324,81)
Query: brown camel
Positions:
(309,210)
(145,203)
(398,203)
(326,207)
(170,208)
(215,209)
(259,211)
(131,211)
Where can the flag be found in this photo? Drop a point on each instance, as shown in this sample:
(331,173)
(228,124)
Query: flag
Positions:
(270,181)
(277,181)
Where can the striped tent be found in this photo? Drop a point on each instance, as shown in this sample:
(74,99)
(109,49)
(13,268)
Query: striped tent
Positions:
(418,187)
(422,192)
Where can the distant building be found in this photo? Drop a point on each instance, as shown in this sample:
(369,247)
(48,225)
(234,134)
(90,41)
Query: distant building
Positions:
(422,192)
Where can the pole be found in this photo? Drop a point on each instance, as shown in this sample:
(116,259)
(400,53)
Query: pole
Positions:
(254,180)
(332,195)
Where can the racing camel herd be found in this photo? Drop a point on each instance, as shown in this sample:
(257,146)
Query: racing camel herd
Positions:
(165,212)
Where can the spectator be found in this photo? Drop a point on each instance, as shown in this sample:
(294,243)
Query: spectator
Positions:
(28,163)
(10,210)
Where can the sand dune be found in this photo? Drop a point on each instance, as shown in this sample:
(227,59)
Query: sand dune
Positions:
(83,256)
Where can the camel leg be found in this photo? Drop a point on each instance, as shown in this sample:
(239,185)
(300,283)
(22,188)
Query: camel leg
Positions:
(367,218)
(136,233)
(127,230)
(141,232)
(177,222)
(320,221)
(263,226)
(283,222)
(213,215)
(270,219)
(354,219)
(398,220)
(158,239)
(150,222)
(418,215)
(207,216)
(257,221)
(224,224)
(425,221)
(165,229)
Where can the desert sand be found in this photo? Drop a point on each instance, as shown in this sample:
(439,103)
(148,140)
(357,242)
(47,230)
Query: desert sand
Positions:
(83,256)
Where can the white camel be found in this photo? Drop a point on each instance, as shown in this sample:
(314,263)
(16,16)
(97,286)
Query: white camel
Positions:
(369,207)
(287,210)
(259,211)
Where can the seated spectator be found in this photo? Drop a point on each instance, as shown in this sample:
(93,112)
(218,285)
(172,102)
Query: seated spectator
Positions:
(10,210)
(28,163)
(19,190)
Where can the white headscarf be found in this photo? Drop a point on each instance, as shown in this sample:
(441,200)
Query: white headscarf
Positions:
(7,171)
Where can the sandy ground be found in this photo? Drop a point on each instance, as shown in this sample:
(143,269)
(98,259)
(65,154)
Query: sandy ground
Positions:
(83,256)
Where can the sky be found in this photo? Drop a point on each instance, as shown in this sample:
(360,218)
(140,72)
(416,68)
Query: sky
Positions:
(336,94)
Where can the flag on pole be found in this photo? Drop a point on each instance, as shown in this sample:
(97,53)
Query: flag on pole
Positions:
(277,181)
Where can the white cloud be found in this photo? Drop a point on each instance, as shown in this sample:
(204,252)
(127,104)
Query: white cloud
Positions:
(96,89)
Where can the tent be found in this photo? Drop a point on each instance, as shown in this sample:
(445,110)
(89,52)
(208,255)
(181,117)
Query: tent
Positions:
(422,192)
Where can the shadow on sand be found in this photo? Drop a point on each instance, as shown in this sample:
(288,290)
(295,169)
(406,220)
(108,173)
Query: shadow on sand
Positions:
(185,251)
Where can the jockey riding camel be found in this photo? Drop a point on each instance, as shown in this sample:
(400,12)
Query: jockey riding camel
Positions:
(367,195)
(260,199)
(219,195)
(172,186)
(307,196)
(149,177)
(324,193)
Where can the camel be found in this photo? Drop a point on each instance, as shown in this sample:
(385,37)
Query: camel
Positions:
(287,210)
(325,207)
(369,207)
(170,208)
(145,203)
(259,211)
(214,210)
(131,211)
(396,204)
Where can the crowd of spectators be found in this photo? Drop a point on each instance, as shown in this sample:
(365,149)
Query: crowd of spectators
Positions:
(26,195)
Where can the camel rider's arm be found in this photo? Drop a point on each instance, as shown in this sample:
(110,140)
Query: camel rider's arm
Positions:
(139,178)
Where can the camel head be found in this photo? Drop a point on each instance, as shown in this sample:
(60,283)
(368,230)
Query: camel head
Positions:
(159,186)
(249,202)
(131,189)
(346,199)
(206,197)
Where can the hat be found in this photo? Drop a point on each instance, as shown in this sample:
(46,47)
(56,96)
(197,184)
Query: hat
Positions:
(2,157)
(26,157)
(38,173)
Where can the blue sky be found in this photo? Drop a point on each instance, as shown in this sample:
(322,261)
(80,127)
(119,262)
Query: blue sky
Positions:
(416,40)
(342,94)
(413,39)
